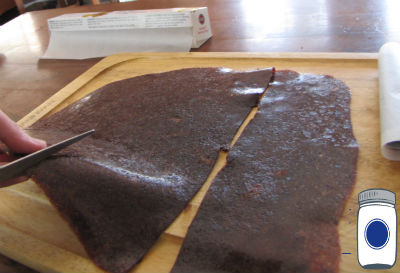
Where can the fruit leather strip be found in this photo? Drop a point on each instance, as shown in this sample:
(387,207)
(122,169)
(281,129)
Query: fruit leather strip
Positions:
(157,137)
(276,206)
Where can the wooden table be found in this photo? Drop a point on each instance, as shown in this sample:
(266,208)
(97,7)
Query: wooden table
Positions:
(238,25)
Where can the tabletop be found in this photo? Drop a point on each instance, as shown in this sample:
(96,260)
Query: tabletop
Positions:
(237,25)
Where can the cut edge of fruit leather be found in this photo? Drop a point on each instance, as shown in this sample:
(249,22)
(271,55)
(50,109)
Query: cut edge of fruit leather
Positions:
(157,138)
(275,207)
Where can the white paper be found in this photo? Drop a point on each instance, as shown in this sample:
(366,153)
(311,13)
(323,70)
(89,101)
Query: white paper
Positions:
(89,44)
(389,91)
(91,35)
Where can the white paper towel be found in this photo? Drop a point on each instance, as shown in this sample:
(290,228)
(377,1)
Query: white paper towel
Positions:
(389,91)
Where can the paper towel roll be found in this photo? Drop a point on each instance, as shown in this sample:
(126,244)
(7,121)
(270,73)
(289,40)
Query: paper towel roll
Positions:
(389,92)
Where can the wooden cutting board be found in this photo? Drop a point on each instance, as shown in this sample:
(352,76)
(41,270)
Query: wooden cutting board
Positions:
(32,232)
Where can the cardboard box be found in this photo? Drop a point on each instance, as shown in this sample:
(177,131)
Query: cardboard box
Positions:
(104,33)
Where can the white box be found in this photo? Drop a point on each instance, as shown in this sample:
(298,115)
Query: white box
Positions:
(88,35)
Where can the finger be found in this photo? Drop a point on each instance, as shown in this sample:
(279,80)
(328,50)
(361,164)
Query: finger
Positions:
(16,139)
(6,158)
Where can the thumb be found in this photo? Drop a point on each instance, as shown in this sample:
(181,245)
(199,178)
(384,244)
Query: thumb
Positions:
(16,139)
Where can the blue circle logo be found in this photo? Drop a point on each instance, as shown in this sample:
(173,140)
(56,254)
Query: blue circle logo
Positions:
(377,234)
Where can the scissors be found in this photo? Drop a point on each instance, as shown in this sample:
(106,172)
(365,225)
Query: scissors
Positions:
(17,167)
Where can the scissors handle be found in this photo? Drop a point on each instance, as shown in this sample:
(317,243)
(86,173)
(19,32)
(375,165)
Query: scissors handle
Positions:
(17,167)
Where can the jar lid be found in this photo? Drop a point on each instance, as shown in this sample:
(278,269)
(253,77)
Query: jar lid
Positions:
(376,195)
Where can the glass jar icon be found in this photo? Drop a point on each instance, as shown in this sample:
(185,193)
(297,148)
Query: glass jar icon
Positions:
(376,229)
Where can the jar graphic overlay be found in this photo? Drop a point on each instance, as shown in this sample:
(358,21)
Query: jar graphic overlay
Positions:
(376,229)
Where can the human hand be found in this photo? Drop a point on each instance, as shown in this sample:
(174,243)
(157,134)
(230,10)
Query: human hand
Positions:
(17,141)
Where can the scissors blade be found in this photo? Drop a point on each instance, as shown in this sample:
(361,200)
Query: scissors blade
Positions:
(15,168)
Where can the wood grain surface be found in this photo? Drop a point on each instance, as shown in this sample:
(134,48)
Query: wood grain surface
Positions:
(32,232)
(238,26)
